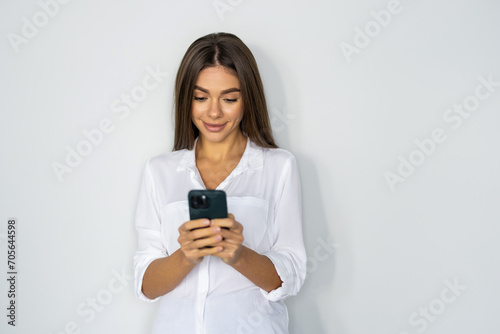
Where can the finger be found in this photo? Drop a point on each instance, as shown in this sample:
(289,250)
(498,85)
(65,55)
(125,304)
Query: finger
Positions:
(208,242)
(204,251)
(193,224)
(226,222)
(227,250)
(188,237)
(203,232)
(211,251)
(196,255)
(222,251)
(236,227)
(233,237)
(226,246)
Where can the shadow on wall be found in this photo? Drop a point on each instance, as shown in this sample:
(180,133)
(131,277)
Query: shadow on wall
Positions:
(303,309)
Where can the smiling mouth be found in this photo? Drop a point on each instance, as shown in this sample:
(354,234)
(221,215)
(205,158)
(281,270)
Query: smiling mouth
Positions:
(214,127)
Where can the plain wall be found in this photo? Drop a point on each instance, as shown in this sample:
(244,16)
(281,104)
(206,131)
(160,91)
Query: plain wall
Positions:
(391,109)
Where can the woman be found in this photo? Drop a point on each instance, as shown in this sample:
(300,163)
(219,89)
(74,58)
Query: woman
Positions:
(225,275)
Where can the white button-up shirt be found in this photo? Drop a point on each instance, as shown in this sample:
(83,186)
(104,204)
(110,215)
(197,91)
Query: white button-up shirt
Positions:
(263,193)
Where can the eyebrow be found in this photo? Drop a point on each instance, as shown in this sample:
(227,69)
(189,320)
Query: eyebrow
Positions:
(230,90)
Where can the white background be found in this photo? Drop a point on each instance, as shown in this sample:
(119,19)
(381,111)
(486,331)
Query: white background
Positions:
(378,257)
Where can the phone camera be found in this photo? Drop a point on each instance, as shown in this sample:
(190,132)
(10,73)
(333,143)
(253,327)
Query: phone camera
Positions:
(200,202)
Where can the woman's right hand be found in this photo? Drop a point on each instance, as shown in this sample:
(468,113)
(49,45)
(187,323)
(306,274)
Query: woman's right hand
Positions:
(198,238)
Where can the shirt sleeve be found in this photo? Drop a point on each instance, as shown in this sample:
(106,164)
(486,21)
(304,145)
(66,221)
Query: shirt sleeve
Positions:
(288,252)
(148,226)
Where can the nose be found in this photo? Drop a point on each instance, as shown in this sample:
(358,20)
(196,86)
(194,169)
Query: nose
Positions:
(215,110)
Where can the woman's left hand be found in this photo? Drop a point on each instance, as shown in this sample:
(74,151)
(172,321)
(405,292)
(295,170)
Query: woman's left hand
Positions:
(232,234)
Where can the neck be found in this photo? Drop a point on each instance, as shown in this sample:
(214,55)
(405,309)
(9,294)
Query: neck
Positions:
(221,151)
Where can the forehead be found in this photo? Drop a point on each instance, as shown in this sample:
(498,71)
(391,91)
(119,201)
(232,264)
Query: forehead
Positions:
(217,78)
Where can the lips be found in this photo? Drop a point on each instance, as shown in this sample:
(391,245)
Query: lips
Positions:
(214,127)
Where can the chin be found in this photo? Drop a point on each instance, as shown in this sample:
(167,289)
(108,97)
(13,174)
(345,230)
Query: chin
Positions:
(213,137)
(216,137)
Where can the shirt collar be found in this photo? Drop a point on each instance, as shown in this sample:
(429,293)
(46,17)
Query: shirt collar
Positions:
(252,158)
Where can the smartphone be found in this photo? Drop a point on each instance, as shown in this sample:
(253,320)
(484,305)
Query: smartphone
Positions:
(209,204)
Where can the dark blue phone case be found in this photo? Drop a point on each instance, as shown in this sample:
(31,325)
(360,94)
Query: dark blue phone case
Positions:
(209,204)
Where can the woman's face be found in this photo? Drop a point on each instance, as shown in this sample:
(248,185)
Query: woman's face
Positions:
(217,107)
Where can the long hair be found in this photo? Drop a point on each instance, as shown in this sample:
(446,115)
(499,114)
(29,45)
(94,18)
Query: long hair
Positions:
(227,50)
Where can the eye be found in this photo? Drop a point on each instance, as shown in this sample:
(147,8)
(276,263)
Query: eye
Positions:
(230,100)
(199,98)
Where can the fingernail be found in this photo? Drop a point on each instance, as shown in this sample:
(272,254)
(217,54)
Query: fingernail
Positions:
(206,222)
(216,229)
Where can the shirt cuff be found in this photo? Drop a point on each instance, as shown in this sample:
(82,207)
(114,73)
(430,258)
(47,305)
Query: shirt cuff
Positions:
(285,271)
(141,264)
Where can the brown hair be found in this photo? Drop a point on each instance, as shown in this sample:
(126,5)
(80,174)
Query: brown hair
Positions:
(227,50)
